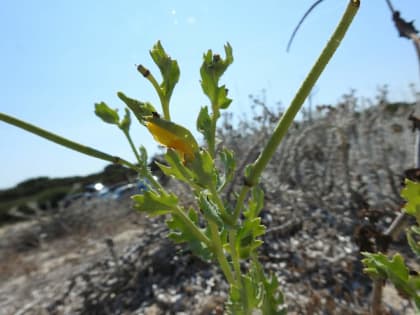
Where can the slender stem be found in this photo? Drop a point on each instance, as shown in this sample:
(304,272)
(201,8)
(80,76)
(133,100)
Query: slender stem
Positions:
(166,114)
(235,258)
(153,181)
(240,202)
(213,127)
(212,141)
(376,307)
(218,251)
(217,199)
(227,217)
(133,147)
(163,100)
(303,92)
(141,170)
(193,228)
(65,142)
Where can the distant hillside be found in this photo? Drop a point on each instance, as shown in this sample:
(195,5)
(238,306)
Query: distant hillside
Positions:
(44,192)
(353,154)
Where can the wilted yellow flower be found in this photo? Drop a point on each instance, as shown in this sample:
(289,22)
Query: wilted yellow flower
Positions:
(173,136)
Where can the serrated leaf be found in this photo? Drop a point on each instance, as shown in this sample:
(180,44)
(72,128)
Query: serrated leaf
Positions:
(414,245)
(203,168)
(252,290)
(393,268)
(248,170)
(168,68)
(155,204)
(141,110)
(179,230)
(272,298)
(143,156)
(243,302)
(252,226)
(378,265)
(229,165)
(411,193)
(211,70)
(175,167)
(415,229)
(204,123)
(210,209)
(222,99)
(125,122)
(256,203)
(214,65)
(108,115)
(258,293)
(180,233)
(415,282)
(247,234)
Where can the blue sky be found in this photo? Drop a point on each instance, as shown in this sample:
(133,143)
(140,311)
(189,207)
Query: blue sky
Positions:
(60,57)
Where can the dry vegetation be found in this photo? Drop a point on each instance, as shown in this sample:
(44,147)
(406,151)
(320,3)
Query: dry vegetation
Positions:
(332,188)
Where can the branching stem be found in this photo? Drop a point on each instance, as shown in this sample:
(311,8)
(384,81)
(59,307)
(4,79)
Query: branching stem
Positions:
(220,255)
(306,87)
(66,142)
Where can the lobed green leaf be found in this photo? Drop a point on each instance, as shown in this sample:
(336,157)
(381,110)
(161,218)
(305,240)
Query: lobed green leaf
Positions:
(247,235)
(141,110)
(204,171)
(229,165)
(180,233)
(176,167)
(414,245)
(155,204)
(125,122)
(273,299)
(210,210)
(168,68)
(108,115)
(223,100)
(258,292)
(211,70)
(143,156)
(256,203)
(379,266)
(411,193)
(204,124)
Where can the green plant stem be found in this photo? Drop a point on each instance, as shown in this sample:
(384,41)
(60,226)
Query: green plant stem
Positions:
(218,251)
(240,202)
(213,128)
(165,108)
(154,182)
(303,92)
(65,142)
(193,228)
(227,217)
(141,170)
(212,140)
(133,147)
(163,99)
(164,102)
(235,258)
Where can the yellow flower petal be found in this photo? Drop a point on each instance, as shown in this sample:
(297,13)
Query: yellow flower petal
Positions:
(171,140)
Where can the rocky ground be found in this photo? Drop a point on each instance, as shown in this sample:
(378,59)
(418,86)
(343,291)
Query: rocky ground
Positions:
(123,264)
(329,193)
